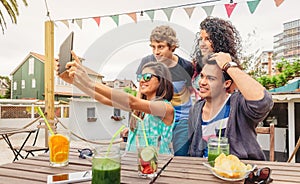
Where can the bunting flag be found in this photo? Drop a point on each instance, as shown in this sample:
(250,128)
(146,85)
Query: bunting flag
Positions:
(133,16)
(168,12)
(278,2)
(208,9)
(189,11)
(116,19)
(150,13)
(252,5)
(65,22)
(79,22)
(97,20)
(229,8)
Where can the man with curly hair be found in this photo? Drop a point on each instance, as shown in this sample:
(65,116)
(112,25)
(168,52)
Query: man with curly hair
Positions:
(233,115)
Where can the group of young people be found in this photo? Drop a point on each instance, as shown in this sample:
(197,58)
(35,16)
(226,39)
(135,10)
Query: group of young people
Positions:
(229,101)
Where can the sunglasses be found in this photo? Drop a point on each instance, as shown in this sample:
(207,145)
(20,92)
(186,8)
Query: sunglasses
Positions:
(85,152)
(146,77)
(262,176)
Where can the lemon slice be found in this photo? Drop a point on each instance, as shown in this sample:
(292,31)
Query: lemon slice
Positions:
(148,153)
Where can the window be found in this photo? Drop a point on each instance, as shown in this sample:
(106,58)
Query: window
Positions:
(23,84)
(31,66)
(15,85)
(91,114)
(33,82)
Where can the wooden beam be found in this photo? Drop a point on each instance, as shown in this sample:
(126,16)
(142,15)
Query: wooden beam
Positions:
(49,74)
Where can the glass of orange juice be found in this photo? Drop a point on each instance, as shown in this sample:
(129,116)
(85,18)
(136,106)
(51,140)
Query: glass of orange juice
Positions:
(59,146)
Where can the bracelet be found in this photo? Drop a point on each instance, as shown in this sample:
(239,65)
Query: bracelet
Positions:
(228,65)
(225,66)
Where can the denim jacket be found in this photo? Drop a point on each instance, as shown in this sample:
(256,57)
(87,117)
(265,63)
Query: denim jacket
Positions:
(243,118)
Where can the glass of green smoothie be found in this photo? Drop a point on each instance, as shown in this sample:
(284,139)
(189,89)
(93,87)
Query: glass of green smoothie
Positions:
(217,146)
(106,166)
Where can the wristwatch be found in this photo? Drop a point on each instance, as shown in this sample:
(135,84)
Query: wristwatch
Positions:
(228,65)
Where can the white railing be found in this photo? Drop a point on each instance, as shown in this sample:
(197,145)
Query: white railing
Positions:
(13,111)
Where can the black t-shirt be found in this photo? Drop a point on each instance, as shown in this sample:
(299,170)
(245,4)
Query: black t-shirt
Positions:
(183,70)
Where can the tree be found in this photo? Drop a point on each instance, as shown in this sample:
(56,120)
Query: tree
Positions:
(7,81)
(11,8)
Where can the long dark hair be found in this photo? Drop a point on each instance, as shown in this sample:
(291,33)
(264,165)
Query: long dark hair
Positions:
(165,89)
(223,36)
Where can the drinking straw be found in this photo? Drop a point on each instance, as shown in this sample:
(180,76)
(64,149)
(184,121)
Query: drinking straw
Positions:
(143,128)
(219,141)
(113,138)
(47,123)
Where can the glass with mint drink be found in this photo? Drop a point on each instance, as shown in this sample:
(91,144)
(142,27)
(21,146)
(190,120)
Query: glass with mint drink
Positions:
(106,171)
(147,161)
(106,165)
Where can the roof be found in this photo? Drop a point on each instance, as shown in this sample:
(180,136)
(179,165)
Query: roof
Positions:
(70,94)
(36,55)
(123,83)
(41,58)
(290,87)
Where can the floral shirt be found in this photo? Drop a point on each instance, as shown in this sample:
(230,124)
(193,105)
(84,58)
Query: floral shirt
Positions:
(153,126)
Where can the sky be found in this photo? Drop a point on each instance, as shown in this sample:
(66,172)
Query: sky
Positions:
(28,34)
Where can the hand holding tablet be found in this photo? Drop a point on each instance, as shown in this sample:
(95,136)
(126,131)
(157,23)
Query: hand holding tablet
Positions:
(65,55)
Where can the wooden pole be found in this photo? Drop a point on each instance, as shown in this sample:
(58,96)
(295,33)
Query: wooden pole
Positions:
(49,75)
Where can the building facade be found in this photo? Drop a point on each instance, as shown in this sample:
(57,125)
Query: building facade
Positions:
(28,81)
(265,63)
(287,44)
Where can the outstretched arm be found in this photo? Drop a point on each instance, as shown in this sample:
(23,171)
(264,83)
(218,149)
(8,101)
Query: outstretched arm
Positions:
(77,75)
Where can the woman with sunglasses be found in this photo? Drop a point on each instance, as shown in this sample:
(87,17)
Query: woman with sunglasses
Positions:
(153,106)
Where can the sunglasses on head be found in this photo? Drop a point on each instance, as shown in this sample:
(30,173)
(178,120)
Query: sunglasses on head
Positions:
(262,176)
(146,77)
(85,152)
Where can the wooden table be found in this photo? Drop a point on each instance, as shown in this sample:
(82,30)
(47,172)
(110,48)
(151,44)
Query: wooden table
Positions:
(190,170)
(35,170)
(7,132)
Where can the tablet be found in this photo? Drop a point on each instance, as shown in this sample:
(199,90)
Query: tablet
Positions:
(65,53)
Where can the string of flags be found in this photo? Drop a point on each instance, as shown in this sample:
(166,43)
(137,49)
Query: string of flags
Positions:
(229,7)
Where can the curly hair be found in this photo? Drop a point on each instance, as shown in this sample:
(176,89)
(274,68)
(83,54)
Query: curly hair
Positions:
(223,36)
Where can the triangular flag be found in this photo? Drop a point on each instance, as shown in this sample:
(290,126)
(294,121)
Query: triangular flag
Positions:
(97,19)
(116,19)
(168,12)
(65,22)
(79,23)
(208,9)
(150,13)
(189,11)
(133,16)
(252,5)
(230,8)
(278,2)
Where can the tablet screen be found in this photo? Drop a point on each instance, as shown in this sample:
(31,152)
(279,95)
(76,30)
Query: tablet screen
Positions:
(65,53)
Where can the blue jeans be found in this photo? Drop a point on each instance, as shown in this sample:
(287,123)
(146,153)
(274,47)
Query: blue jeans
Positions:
(180,138)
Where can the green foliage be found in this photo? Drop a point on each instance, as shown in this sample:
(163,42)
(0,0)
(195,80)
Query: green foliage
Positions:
(130,91)
(8,92)
(288,70)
